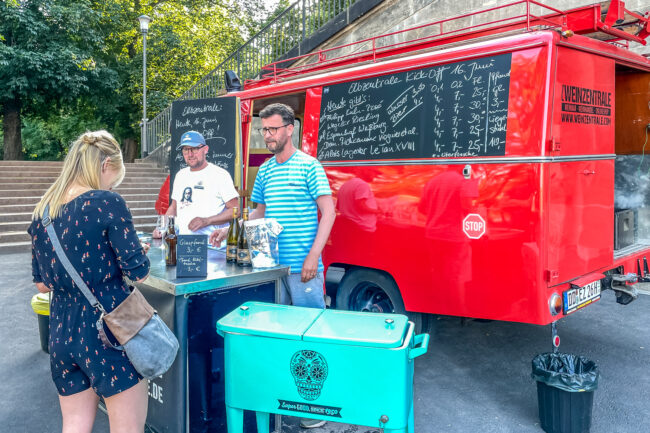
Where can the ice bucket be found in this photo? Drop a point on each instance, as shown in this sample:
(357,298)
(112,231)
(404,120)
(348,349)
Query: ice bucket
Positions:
(338,366)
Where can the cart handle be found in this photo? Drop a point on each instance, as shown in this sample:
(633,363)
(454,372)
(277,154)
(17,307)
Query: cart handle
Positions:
(421,344)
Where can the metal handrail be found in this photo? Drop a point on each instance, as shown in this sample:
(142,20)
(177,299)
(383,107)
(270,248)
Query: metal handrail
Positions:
(527,19)
(274,41)
(371,49)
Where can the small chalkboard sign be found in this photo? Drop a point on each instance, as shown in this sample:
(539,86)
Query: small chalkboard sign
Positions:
(217,119)
(192,256)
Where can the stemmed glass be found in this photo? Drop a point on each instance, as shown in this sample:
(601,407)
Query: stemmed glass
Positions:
(161,225)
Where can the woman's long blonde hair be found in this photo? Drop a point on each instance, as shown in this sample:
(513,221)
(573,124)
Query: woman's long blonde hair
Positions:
(82,165)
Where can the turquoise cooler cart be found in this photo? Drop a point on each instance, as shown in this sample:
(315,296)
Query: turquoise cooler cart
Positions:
(338,366)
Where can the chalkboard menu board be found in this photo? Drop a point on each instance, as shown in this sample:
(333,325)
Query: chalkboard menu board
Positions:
(454,110)
(218,120)
(192,256)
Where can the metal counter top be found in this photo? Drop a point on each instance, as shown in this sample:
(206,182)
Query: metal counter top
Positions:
(221,274)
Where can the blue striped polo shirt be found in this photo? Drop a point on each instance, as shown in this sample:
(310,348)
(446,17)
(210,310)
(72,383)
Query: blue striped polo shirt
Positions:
(289,191)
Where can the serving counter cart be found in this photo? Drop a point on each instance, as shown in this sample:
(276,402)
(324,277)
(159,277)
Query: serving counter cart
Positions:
(190,396)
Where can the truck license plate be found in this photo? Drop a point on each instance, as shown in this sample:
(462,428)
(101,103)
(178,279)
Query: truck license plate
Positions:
(579,297)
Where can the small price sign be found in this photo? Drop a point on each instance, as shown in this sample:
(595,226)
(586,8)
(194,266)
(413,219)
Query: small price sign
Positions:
(192,256)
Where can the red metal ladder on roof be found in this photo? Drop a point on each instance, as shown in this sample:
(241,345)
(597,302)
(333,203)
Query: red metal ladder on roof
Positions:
(612,23)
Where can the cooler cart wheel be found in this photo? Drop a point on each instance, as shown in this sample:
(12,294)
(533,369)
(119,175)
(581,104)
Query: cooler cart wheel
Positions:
(375,292)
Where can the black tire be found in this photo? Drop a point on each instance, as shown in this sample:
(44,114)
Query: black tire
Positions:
(377,292)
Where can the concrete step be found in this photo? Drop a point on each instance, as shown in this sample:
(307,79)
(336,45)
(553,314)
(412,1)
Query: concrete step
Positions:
(27,216)
(14,226)
(36,184)
(19,171)
(22,184)
(31,200)
(9,186)
(145,226)
(16,208)
(39,178)
(60,164)
(14,236)
(149,219)
(30,163)
(16,216)
(9,201)
(131,198)
(144,211)
(9,194)
(22,208)
(134,189)
(15,247)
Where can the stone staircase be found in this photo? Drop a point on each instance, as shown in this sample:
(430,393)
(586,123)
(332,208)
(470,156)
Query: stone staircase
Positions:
(22,183)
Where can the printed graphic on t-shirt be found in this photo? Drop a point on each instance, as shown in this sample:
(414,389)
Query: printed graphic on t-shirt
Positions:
(201,193)
(187,196)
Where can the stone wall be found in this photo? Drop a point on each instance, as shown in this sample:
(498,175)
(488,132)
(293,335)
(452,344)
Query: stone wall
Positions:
(395,15)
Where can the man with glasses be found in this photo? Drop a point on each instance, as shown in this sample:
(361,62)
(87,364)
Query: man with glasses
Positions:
(292,187)
(212,192)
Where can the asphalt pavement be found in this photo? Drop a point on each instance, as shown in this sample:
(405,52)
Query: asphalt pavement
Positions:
(474,378)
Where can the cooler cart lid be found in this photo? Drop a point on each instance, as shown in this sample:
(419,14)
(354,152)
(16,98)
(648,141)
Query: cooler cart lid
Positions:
(268,320)
(358,329)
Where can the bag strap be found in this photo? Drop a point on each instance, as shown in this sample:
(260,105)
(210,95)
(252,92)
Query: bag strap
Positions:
(58,249)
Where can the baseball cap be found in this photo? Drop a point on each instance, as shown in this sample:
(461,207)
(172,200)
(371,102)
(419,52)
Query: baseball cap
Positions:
(191,139)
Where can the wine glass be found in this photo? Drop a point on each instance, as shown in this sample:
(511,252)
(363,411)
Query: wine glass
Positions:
(161,225)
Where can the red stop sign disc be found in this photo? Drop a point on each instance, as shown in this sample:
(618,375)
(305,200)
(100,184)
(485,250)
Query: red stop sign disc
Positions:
(474,226)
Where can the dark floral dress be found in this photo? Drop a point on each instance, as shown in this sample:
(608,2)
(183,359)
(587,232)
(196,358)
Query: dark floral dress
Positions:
(96,231)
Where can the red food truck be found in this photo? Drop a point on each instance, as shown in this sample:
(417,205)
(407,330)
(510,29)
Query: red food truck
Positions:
(492,171)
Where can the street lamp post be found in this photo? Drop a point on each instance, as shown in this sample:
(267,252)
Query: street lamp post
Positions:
(144,28)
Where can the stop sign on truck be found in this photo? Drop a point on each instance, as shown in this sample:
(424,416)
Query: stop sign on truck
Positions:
(474,226)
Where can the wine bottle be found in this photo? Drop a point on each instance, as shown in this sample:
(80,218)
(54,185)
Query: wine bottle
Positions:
(233,238)
(243,253)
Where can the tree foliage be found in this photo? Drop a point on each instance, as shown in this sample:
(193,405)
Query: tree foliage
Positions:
(82,59)
(47,60)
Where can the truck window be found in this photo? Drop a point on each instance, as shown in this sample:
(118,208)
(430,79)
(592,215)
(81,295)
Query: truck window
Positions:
(632,191)
(257,152)
(257,142)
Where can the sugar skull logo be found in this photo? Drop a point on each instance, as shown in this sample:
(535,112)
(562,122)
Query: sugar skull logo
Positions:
(309,370)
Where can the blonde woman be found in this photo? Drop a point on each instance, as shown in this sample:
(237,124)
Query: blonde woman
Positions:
(96,232)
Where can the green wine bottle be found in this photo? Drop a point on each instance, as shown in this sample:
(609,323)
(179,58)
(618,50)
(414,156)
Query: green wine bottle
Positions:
(243,253)
(233,238)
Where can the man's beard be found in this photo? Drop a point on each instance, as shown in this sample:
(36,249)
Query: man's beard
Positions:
(278,147)
(198,163)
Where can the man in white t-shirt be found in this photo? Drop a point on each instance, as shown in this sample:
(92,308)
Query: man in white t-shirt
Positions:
(203,194)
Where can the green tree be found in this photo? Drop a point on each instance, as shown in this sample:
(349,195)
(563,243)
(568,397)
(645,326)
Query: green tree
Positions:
(82,60)
(186,40)
(46,60)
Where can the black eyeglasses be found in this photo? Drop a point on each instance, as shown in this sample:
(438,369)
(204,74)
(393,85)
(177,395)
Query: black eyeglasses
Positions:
(271,129)
(192,150)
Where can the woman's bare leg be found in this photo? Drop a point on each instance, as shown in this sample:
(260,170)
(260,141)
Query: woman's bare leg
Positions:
(127,411)
(78,411)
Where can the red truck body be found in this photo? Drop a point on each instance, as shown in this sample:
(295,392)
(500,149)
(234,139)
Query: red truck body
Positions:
(486,236)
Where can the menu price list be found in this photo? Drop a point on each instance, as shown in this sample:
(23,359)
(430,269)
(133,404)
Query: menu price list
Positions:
(454,110)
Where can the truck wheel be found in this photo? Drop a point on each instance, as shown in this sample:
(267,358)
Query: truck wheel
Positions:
(375,292)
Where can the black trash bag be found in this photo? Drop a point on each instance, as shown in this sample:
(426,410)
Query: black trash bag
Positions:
(565,371)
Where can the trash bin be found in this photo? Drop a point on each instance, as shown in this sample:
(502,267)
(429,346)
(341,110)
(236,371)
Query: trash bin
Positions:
(341,366)
(565,391)
(41,306)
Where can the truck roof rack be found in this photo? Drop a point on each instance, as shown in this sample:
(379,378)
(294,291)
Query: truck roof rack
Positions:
(612,23)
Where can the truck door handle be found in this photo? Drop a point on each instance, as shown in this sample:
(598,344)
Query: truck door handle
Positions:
(587,172)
